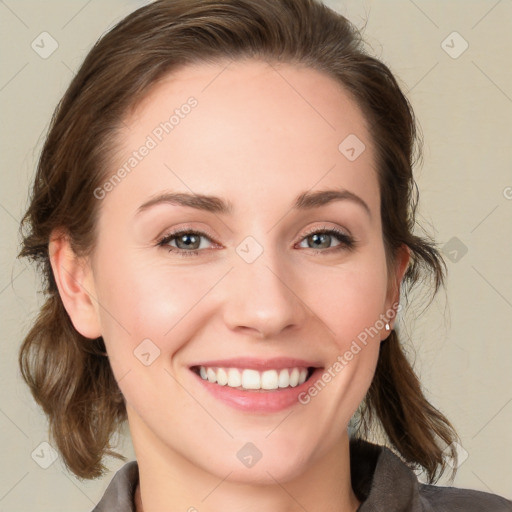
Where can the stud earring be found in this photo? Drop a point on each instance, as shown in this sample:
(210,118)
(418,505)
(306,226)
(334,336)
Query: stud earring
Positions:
(388,328)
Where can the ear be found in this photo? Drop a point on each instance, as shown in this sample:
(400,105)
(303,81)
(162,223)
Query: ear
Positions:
(397,273)
(73,276)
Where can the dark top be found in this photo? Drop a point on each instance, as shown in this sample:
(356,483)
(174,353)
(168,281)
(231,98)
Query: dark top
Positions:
(380,480)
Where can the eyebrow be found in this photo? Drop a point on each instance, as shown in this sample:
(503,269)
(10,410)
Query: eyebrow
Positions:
(305,201)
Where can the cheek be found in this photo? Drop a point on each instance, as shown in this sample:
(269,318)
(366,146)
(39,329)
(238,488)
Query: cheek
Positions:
(351,308)
(150,313)
(348,299)
(140,300)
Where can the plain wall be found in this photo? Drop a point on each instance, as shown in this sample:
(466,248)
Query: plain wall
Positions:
(461,344)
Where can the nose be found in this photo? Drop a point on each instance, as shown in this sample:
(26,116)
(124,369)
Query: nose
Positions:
(263,299)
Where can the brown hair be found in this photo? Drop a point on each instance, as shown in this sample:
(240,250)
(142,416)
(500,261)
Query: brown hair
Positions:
(68,374)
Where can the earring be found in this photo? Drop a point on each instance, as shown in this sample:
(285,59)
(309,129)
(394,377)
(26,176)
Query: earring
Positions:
(388,328)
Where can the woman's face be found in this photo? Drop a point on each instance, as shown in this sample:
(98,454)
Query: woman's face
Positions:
(248,293)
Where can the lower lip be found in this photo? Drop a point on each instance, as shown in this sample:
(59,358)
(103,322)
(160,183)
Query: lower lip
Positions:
(259,400)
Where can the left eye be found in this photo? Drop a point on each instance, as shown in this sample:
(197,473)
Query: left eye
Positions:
(322,239)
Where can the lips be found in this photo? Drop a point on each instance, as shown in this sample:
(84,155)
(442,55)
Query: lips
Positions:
(257,385)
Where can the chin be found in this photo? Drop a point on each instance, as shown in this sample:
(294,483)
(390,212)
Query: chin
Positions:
(260,466)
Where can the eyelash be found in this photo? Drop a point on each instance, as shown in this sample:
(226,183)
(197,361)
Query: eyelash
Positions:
(346,241)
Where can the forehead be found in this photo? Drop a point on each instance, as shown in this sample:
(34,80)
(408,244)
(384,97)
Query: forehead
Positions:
(216,127)
(281,91)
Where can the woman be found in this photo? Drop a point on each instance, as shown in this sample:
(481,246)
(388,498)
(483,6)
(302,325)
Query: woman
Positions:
(224,211)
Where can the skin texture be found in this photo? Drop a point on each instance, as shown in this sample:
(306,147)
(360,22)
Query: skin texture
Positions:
(259,136)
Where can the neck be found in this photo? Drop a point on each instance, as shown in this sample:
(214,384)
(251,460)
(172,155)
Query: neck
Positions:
(167,481)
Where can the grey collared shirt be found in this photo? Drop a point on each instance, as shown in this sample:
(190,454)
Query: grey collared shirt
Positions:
(380,480)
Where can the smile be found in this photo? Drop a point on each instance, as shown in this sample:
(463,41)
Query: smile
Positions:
(256,385)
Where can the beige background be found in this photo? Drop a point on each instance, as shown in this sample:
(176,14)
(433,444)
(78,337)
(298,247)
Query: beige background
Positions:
(462,344)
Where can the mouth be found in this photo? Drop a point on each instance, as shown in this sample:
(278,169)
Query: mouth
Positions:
(250,379)
(255,385)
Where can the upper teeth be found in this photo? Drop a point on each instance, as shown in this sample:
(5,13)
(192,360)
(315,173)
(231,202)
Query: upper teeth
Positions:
(253,379)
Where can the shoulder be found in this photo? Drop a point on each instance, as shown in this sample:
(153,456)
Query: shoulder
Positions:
(451,499)
(382,481)
(119,494)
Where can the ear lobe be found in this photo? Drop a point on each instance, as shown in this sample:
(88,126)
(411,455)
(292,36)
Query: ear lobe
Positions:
(73,276)
(402,259)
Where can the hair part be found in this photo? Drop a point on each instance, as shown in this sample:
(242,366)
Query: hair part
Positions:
(68,374)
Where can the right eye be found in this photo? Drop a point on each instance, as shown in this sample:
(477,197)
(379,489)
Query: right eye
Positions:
(187,242)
